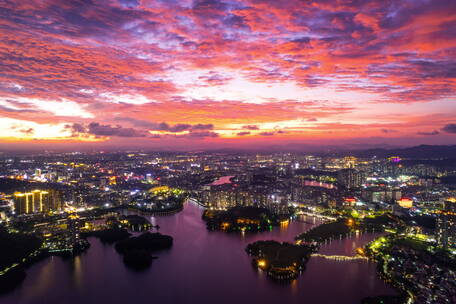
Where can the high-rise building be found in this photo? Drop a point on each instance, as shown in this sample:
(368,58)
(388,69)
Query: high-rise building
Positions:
(446,224)
(350,178)
(350,162)
(37,201)
(277,203)
(74,227)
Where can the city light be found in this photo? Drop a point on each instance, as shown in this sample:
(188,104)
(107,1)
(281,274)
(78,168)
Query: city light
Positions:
(232,199)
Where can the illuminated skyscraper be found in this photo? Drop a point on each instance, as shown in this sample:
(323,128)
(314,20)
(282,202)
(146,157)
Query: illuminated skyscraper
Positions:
(74,226)
(446,224)
(350,178)
(37,201)
(350,162)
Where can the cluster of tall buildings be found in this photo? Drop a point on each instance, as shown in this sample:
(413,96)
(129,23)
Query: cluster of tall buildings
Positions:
(225,196)
(378,194)
(37,201)
(275,181)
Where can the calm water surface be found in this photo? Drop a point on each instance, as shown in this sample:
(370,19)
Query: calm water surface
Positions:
(202,267)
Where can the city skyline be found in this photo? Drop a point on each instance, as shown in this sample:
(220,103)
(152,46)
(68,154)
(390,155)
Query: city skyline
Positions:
(141,222)
(245,74)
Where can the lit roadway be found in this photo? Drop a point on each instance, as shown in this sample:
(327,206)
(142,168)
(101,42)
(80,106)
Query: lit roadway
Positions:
(340,257)
(317,215)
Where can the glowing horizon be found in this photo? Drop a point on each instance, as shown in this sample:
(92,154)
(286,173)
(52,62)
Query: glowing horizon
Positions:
(216,74)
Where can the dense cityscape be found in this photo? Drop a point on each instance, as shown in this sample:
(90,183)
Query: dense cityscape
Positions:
(53,203)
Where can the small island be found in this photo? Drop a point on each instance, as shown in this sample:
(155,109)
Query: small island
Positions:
(281,261)
(240,219)
(160,200)
(326,231)
(136,251)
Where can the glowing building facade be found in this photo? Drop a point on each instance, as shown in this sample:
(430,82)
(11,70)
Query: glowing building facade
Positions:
(405,202)
(37,201)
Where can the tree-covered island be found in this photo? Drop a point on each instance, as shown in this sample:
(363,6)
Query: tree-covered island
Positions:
(326,231)
(281,261)
(240,219)
(160,200)
(137,251)
(343,226)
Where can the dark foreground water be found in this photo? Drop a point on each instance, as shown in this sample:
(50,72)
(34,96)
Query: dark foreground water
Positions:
(202,267)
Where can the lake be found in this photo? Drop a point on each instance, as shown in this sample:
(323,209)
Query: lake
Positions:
(202,267)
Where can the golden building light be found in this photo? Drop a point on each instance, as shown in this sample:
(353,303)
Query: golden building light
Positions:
(36,201)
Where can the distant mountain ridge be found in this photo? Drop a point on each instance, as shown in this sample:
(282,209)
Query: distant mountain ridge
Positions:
(417,152)
(381,151)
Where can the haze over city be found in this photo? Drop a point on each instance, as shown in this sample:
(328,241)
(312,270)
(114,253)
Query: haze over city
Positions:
(245,74)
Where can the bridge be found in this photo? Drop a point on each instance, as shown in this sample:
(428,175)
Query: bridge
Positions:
(341,257)
(317,215)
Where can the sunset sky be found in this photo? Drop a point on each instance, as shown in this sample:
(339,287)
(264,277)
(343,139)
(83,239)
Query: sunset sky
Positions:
(190,75)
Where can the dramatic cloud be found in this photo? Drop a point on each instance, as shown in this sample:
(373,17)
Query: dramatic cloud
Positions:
(7,109)
(163,126)
(435,132)
(202,127)
(243,133)
(220,70)
(102,130)
(250,127)
(29,131)
(388,131)
(266,133)
(76,128)
(25,131)
(202,134)
(98,129)
(449,128)
(138,122)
